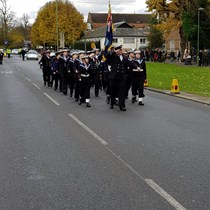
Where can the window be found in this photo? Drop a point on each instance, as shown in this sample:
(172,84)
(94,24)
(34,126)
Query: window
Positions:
(143,41)
(129,40)
(115,40)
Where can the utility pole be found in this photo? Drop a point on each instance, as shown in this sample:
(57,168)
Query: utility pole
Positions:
(56,24)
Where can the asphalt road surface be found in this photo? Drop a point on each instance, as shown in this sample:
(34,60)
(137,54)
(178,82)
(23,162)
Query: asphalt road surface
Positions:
(55,154)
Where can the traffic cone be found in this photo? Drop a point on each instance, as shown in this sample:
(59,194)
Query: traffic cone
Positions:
(175,86)
(146,83)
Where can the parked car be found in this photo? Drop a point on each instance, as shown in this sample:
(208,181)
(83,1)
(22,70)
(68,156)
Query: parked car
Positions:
(32,55)
(15,51)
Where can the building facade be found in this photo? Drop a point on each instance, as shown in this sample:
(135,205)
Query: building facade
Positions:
(124,34)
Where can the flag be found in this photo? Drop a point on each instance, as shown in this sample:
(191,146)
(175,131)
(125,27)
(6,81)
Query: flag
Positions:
(109,30)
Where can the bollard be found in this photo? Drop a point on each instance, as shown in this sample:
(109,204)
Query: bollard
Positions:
(175,86)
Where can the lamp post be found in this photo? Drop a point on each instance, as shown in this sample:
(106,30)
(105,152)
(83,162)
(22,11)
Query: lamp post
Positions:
(85,41)
(198,44)
(56,13)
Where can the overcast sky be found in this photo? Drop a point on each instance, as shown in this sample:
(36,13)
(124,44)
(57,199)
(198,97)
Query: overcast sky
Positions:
(31,7)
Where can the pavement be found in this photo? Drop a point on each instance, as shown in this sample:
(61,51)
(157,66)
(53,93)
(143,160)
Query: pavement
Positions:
(184,95)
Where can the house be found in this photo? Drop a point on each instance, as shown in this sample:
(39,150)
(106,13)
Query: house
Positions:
(97,20)
(124,34)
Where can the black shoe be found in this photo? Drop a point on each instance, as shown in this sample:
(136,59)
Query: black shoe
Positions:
(76,99)
(116,102)
(111,107)
(133,100)
(65,93)
(88,105)
(141,103)
(122,108)
(108,98)
(44,83)
(80,101)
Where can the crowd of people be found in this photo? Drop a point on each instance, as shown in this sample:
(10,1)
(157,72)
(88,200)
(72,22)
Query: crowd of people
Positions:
(115,71)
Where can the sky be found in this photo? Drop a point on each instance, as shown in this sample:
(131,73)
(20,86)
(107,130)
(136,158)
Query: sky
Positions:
(31,7)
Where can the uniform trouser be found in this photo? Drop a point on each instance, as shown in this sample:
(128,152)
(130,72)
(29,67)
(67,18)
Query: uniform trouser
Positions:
(85,85)
(77,89)
(104,80)
(56,78)
(64,82)
(97,83)
(118,90)
(128,85)
(71,82)
(138,87)
(46,76)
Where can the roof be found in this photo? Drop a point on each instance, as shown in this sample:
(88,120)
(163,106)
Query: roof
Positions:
(121,29)
(129,18)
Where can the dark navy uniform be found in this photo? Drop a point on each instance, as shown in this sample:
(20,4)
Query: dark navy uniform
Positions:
(46,68)
(77,63)
(85,75)
(138,78)
(64,73)
(55,73)
(95,66)
(117,78)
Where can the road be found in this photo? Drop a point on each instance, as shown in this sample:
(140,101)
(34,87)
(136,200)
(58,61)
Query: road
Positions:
(55,154)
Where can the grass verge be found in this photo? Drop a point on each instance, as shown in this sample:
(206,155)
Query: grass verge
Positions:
(192,79)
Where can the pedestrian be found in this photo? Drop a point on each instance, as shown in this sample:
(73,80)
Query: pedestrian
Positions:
(77,63)
(129,67)
(85,74)
(117,76)
(139,76)
(64,59)
(55,71)
(71,72)
(23,53)
(96,74)
(46,67)
(1,57)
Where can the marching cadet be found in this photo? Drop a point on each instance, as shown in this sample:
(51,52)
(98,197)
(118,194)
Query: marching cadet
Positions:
(46,67)
(77,63)
(138,78)
(71,72)
(55,71)
(64,59)
(95,66)
(85,73)
(129,67)
(117,77)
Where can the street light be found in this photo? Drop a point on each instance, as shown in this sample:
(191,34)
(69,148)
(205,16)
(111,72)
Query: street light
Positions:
(56,24)
(199,9)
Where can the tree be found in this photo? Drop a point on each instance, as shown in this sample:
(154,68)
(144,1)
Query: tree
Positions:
(7,20)
(155,38)
(25,26)
(70,23)
(178,15)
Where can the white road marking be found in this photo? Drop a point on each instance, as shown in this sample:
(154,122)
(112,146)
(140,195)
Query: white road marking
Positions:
(91,132)
(49,97)
(36,86)
(28,79)
(149,182)
(164,194)
(6,72)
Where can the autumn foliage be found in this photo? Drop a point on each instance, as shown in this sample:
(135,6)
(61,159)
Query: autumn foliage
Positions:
(70,22)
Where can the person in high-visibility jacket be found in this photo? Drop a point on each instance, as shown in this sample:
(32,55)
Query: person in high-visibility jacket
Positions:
(8,53)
